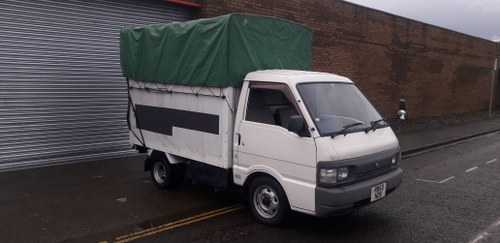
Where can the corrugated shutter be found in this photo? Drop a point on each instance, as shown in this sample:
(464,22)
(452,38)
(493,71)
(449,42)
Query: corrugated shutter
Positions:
(62,95)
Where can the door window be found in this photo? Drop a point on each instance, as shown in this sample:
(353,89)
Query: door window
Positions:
(270,104)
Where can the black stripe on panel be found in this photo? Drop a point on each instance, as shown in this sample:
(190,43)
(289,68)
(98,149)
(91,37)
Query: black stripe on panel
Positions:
(162,120)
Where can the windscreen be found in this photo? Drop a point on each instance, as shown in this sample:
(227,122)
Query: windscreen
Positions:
(338,107)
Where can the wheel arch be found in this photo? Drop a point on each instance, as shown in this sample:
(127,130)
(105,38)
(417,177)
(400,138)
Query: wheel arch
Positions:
(155,154)
(257,174)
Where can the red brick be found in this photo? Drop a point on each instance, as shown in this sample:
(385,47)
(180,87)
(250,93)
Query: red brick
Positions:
(437,71)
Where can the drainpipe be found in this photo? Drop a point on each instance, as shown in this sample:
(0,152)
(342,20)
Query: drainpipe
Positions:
(493,85)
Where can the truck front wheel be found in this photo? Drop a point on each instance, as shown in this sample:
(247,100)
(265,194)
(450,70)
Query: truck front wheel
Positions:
(166,175)
(268,202)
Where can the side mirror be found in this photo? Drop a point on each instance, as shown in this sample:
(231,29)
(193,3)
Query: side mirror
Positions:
(297,125)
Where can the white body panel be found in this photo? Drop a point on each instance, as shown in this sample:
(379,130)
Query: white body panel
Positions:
(362,144)
(284,155)
(355,145)
(213,149)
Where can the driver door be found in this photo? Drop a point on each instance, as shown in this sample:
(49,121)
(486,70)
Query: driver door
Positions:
(266,145)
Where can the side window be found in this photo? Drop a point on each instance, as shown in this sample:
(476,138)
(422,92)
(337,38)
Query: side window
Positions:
(270,105)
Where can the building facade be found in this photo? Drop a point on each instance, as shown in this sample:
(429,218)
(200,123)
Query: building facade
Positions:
(437,71)
(63,98)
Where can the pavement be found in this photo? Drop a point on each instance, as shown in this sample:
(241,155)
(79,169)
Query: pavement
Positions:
(420,140)
(72,201)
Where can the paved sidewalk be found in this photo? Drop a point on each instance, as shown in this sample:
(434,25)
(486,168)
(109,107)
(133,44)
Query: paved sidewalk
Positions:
(418,140)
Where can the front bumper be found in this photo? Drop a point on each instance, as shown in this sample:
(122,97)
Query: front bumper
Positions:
(340,200)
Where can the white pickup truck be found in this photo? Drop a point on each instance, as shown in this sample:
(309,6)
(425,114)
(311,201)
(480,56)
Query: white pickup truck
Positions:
(292,140)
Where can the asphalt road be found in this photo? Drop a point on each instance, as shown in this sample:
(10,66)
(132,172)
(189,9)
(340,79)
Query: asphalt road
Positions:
(448,195)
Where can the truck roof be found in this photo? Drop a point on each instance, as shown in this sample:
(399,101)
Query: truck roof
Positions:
(294,76)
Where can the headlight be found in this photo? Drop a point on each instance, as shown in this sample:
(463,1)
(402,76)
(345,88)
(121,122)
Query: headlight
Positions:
(333,175)
(395,158)
(328,176)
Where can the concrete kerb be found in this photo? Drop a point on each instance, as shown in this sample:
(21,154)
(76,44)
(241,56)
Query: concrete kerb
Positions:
(408,152)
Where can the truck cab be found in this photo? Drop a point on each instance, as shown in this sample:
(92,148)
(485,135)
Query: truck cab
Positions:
(310,142)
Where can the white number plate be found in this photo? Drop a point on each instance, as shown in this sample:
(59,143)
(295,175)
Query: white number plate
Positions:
(378,192)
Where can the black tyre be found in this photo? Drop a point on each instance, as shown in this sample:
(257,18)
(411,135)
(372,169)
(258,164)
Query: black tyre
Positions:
(166,175)
(267,201)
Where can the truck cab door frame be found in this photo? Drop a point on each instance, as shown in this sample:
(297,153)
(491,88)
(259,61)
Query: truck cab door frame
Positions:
(263,144)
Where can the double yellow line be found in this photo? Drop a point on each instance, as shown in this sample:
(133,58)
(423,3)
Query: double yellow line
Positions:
(176,224)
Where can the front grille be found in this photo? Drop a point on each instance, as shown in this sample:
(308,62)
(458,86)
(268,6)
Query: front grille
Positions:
(361,168)
(373,172)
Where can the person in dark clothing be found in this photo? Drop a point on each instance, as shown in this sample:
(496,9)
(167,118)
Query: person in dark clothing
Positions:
(402,104)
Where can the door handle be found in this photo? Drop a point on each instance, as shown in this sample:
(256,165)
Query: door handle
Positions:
(238,138)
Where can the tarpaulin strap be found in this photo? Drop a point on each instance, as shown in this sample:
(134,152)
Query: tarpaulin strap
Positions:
(131,104)
(223,96)
(165,89)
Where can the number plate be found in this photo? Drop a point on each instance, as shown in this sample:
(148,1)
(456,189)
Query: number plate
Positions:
(378,192)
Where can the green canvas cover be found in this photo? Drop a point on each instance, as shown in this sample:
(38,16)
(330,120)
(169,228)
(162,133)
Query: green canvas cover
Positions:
(216,52)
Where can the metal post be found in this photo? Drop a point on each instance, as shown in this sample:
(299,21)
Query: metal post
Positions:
(493,85)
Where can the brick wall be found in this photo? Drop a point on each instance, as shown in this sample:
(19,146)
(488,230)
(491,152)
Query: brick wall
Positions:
(437,71)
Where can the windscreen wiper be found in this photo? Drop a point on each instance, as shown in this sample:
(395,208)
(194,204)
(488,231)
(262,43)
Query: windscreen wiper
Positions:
(344,129)
(375,124)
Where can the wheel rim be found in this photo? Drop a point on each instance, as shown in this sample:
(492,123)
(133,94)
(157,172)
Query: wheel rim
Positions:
(266,201)
(160,172)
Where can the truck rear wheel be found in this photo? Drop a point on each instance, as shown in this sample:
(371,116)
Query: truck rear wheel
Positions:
(268,202)
(166,175)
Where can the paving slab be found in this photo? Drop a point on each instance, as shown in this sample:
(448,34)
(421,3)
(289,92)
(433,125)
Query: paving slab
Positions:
(417,140)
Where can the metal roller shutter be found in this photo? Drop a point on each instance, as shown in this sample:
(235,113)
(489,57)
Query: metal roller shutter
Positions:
(62,96)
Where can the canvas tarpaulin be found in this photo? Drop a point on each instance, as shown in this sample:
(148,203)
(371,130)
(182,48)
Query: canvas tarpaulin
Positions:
(216,52)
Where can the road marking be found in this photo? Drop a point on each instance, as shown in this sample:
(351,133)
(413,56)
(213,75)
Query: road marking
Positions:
(478,238)
(452,177)
(176,224)
(486,232)
(447,179)
(471,169)
(438,182)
